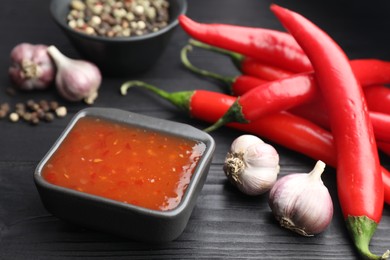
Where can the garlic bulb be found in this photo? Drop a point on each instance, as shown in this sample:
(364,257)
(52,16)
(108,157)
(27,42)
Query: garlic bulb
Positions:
(31,66)
(301,202)
(252,165)
(76,79)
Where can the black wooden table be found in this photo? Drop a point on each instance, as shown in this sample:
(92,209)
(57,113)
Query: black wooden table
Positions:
(225,224)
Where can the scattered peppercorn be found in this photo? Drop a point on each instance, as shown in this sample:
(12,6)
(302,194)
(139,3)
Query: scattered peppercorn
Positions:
(34,120)
(53,105)
(14,117)
(3,114)
(115,18)
(61,111)
(33,112)
(5,107)
(44,105)
(49,117)
(27,116)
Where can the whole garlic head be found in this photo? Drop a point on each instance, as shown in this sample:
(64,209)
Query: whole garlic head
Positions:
(31,67)
(252,165)
(76,79)
(301,202)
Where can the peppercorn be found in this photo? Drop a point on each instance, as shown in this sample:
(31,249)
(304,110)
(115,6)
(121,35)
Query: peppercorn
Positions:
(27,116)
(3,113)
(20,108)
(40,113)
(116,18)
(49,117)
(44,105)
(77,5)
(34,119)
(53,105)
(33,112)
(5,107)
(14,117)
(61,111)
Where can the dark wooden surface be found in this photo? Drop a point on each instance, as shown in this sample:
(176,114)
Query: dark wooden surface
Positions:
(225,224)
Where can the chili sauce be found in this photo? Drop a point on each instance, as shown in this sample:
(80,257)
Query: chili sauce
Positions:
(124,163)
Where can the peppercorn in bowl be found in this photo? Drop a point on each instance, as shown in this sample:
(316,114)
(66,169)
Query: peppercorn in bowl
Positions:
(120,37)
(125,173)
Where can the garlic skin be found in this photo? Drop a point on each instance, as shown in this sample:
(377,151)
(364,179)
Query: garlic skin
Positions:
(301,202)
(252,165)
(31,67)
(76,80)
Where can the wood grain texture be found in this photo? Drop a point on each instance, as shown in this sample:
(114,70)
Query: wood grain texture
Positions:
(225,224)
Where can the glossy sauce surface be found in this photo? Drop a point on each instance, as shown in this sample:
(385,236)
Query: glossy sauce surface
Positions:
(123,163)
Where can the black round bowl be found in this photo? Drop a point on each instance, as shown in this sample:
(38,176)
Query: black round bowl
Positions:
(119,56)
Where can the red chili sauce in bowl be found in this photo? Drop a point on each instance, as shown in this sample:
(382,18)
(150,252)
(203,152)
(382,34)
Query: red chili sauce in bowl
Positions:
(124,163)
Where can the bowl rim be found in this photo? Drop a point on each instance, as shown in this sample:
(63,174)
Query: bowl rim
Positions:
(135,38)
(124,116)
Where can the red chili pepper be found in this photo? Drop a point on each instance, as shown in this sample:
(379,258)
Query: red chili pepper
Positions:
(384,147)
(253,67)
(283,128)
(270,46)
(243,84)
(247,65)
(368,71)
(284,98)
(378,98)
(359,181)
(281,95)
(371,71)
(317,113)
(378,101)
(269,98)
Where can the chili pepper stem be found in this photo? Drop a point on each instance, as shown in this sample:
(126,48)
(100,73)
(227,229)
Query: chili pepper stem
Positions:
(228,81)
(236,58)
(362,229)
(234,114)
(179,99)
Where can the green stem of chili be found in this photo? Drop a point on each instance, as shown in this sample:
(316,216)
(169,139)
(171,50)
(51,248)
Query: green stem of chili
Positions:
(180,99)
(228,81)
(236,58)
(363,228)
(234,114)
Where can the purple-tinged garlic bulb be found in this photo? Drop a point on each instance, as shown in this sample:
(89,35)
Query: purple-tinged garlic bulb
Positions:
(76,80)
(31,67)
(301,202)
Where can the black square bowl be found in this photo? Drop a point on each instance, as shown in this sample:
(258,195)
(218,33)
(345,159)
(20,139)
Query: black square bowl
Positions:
(126,220)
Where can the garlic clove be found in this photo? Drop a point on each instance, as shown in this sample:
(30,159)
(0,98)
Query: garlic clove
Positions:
(301,202)
(254,182)
(76,79)
(261,155)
